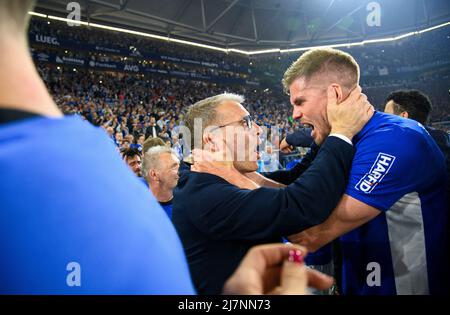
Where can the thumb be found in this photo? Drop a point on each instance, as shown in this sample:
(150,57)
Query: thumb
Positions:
(319,280)
(294,278)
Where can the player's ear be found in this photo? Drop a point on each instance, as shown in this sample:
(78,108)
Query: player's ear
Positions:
(404,114)
(338,90)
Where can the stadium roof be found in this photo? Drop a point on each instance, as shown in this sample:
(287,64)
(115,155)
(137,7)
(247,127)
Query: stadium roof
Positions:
(261,24)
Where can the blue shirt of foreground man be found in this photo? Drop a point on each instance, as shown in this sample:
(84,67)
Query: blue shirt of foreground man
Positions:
(73,218)
(217,221)
(71,227)
(392,219)
(79,222)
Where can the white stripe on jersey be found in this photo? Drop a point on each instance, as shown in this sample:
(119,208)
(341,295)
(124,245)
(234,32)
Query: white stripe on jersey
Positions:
(407,242)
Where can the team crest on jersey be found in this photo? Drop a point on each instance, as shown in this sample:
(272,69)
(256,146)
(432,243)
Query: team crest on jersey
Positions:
(379,169)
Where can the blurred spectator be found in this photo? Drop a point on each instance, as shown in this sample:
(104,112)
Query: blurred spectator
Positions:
(133,159)
(153,130)
(177,147)
(118,138)
(415,105)
(125,145)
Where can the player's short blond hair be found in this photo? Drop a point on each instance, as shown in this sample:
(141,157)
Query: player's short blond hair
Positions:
(321,62)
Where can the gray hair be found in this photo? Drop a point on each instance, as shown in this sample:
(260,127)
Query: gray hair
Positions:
(151,158)
(206,111)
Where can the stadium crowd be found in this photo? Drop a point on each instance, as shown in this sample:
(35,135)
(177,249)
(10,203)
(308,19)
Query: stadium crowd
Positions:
(418,62)
(136,44)
(126,102)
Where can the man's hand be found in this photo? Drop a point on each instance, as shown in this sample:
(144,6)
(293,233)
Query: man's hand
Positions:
(285,147)
(348,117)
(306,238)
(265,270)
(206,162)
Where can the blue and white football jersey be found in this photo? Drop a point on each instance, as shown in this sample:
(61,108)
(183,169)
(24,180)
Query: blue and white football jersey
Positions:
(399,170)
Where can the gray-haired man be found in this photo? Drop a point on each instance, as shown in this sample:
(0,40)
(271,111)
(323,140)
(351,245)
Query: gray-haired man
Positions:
(160,170)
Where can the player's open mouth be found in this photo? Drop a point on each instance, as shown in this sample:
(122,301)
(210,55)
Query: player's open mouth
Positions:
(306,125)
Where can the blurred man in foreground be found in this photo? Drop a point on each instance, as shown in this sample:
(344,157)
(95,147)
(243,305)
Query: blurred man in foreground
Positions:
(80,222)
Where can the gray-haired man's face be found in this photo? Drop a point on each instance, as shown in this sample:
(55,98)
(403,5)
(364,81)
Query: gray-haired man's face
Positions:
(167,171)
(240,143)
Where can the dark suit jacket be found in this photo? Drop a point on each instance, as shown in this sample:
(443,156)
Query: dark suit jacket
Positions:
(218,222)
(149,131)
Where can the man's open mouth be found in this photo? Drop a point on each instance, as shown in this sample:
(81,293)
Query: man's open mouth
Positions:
(309,126)
(306,125)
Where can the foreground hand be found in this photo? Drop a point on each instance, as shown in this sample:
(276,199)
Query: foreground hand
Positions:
(348,117)
(265,270)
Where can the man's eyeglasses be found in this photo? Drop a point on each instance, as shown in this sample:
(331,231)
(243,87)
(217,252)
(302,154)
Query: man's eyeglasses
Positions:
(247,120)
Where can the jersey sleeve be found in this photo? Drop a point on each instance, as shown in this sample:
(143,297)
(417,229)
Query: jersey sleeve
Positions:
(385,167)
